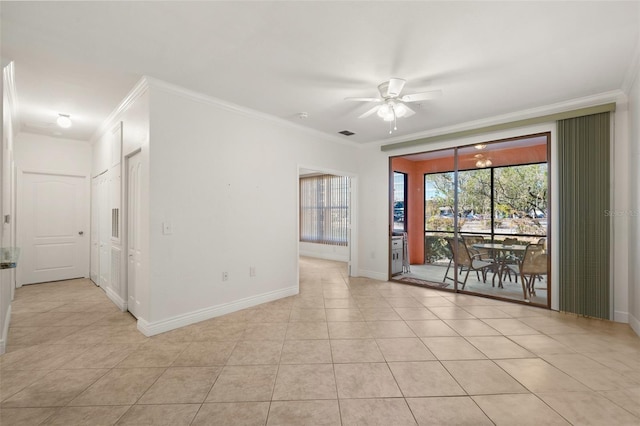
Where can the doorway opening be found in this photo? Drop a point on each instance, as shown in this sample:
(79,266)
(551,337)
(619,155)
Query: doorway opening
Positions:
(326,212)
(478,219)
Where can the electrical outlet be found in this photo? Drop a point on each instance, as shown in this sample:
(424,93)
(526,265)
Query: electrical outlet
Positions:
(225,276)
(252,271)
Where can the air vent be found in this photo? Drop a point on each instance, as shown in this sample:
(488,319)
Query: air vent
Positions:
(346,133)
(115,223)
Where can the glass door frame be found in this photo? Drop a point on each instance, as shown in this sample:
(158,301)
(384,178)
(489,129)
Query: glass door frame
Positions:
(456,231)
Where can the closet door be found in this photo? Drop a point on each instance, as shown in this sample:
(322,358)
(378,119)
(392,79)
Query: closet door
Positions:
(104,230)
(53,228)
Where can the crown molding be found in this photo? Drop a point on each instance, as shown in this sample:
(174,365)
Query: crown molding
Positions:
(631,76)
(238,109)
(134,94)
(612,96)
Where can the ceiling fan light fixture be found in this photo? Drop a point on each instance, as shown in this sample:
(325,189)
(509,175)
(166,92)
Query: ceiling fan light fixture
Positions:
(482,161)
(389,111)
(391,105)
(401,110)
(385,111)
(63,121)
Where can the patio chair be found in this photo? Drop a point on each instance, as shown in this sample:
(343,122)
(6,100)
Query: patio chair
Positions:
(461,256)
(482,254)
(533,264)
(510,258)
(470,240)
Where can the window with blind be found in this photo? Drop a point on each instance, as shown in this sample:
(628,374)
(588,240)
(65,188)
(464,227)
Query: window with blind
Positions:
(324,209)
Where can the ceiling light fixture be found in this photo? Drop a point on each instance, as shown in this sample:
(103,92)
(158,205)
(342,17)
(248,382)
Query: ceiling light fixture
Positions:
(391,111)
(63,121)
(482,162)
(393,106)
(481,146)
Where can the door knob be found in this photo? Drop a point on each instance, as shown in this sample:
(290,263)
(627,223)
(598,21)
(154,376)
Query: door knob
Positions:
(81,233)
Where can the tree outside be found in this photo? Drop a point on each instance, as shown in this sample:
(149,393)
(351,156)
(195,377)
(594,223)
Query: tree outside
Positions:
(519,202)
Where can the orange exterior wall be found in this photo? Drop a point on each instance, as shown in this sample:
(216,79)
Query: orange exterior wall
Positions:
(414,215)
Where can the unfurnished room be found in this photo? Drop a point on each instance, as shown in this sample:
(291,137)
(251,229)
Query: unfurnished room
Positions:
(320,213)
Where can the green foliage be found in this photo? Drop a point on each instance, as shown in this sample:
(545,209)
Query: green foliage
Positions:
(519,192)
(442,223)
(529,226)
(436,248)
(522,189)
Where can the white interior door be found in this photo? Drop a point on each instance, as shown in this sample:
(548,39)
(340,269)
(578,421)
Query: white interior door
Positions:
(95,233)
(134,251)
(104,230)
(52,226)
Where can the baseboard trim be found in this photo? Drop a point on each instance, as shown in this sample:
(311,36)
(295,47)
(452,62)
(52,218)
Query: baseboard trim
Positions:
(381,276)
(152,328)
(116,299)
(5,331)
(326,256)
(635,324)
(619,316)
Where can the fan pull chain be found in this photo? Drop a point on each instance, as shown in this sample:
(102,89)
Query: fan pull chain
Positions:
(395,124)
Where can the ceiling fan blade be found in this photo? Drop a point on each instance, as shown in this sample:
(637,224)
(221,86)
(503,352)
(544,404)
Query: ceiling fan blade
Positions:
(409,112)
(424,96)
(371,111)
(395,87)
(363,99)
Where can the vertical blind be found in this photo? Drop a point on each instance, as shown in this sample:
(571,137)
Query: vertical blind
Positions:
(324,209)
(584,226)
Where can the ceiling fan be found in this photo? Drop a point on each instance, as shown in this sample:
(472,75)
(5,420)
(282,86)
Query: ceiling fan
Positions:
(393,106)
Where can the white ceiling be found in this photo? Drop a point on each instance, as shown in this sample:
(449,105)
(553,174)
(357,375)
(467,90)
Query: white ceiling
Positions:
(283,58)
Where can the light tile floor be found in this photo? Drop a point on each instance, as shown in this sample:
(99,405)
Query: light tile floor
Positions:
(344,351)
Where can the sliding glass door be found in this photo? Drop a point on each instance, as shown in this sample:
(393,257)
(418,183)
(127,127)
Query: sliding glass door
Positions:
(485,216)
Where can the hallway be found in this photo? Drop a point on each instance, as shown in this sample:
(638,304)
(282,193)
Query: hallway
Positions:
(344,351)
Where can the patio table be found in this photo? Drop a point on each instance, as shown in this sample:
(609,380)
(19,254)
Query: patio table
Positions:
(501,258)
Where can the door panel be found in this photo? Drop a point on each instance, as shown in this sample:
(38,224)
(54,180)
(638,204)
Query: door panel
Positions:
(104,231)
(53,227)
(95,234)
(134,251)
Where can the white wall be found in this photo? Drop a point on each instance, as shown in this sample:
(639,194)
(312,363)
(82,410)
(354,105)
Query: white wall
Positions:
(7,198)
(373,166)
(324,251)
(634,203)
(621,183)
(46,154)
(227,182)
